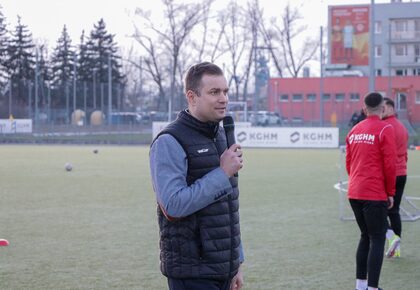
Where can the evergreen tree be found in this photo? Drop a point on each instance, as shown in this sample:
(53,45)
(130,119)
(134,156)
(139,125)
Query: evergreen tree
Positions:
(44,72)
(4,39)
(62,68)
(84,62)
(100,47)
(20,62)
(20,66)
(62,61)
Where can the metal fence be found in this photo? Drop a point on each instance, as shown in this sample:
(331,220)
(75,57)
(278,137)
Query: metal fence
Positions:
(88,134)
(55,104)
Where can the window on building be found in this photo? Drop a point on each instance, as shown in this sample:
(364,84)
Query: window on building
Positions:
(326,97)
(401,72)
(378,72)
(416,71)
(401,49)
(339,97)
(378,27)
(417,27)
(378,50)
(417,49)
(297,98)
(284,98)
(418,97)
(311,97)
(400,25)
(354,97)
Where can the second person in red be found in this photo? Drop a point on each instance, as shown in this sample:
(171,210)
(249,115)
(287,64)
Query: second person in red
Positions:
(370,164)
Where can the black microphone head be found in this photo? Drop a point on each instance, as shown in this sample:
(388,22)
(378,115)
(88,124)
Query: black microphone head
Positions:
(228,123)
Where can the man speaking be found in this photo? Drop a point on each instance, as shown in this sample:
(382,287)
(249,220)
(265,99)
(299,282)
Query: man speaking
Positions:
(370,163)
(193,175)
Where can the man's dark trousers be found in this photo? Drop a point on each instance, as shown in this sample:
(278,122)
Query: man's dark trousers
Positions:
(197,284)
(394,212)
(371,217)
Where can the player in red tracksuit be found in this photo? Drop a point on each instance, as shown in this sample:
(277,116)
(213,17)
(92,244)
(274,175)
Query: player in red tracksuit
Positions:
(401,136)
(370,164)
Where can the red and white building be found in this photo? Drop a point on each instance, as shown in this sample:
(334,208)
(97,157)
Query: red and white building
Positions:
(297,100)
(396,35)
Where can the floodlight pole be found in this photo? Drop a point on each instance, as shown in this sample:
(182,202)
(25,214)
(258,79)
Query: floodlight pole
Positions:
(94,87)
(256,48)
(36,84)
(10,97)
(276,105)
(321,80)
(109,90)
(372,47)
(74,81)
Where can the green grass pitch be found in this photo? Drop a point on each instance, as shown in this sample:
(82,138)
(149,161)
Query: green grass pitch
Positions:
(95,227)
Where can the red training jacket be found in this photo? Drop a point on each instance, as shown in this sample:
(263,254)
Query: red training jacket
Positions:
(401,136)
(371,159)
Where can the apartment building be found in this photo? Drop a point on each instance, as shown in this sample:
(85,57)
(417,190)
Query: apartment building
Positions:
(396,39)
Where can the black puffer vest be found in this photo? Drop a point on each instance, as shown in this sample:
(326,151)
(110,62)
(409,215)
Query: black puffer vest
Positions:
(205,244)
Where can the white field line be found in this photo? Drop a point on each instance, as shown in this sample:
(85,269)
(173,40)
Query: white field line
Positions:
(337,186)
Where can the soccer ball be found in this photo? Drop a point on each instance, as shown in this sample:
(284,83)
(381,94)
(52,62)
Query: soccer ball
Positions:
(95,151)
(68,166)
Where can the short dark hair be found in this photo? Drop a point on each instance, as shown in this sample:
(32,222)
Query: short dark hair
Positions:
(195,74)
(373,100)
(389,102)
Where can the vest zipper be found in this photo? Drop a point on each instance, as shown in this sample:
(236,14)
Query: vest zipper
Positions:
(230,217)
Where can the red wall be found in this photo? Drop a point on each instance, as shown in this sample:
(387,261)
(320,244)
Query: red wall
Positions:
(310,111)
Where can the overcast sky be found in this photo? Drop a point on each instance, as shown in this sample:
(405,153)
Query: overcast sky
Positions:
(46,18)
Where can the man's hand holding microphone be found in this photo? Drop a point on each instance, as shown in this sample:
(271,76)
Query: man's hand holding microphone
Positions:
(231,160)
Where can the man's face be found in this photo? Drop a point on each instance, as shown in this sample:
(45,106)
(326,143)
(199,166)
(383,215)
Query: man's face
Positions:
(389,111)
(211,102)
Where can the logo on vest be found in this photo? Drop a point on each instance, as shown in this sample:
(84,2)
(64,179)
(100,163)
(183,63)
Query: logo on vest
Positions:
(362,138)
(204,150)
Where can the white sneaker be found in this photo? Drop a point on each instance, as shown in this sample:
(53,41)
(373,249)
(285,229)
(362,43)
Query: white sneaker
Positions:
(393,245)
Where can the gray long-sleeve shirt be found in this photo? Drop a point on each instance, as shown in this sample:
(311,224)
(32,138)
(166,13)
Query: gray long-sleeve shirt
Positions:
(169,166)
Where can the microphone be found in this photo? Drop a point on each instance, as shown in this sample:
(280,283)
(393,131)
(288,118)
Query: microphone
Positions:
(229,127)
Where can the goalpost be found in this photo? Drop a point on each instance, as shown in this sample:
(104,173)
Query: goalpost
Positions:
(409,207)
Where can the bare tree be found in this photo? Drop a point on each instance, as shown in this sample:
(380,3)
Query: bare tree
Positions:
(286,37)
(270,41)
(132,67)
(236,40)
(202,46)
(164,44)
(252,20)
(152,64)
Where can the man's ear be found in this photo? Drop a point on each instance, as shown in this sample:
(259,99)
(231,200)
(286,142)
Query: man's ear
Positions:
(191,97)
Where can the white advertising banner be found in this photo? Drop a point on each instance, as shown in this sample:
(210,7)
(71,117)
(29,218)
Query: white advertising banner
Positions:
(8,126)
(307,137)
(278,137)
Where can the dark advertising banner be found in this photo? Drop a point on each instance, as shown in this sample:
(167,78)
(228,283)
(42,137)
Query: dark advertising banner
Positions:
(349,35)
